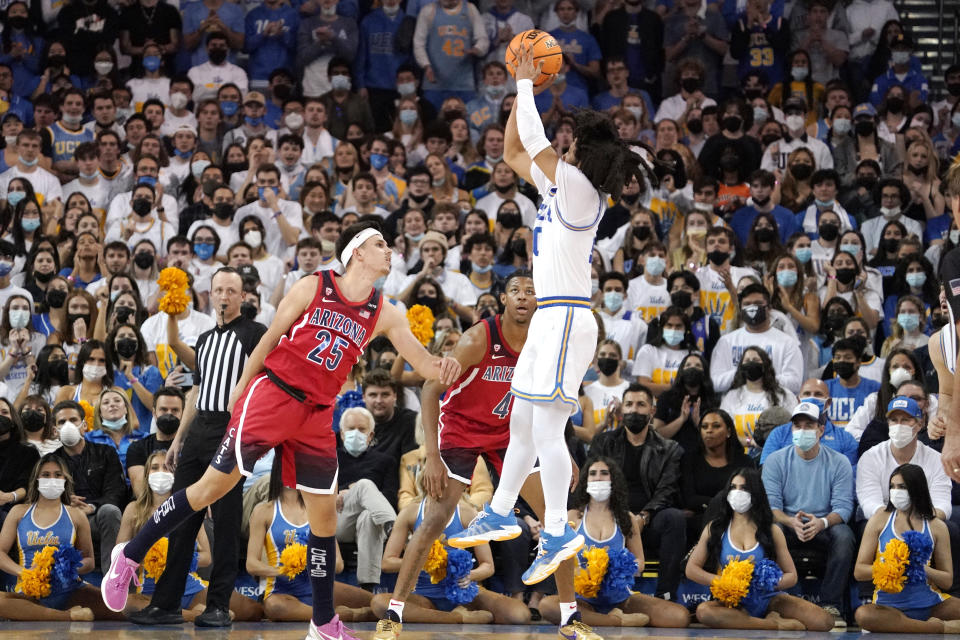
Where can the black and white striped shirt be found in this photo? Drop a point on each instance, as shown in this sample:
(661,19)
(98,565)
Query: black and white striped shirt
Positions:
(221,354)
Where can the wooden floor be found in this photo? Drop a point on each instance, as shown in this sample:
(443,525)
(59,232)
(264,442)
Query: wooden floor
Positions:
(297,631)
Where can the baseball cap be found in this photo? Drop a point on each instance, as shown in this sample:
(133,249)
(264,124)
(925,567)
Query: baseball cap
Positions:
(795,102)
(864,109)
(810,408)
(186,127)
(254,96)
(249,272)
(905,404)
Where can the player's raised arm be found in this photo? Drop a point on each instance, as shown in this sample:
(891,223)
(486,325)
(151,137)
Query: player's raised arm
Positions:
(394,324)
(525,140)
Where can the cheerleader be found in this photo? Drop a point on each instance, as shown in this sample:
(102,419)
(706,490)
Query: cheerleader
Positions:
(47,519)
(746,530)
(601,515)
(275,524)
(919,607)
(153,491)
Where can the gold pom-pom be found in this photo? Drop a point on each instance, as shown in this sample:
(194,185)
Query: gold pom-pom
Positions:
(174,302)
(87,415)
(35,581)
(733,583)
(420,318)
(293,559)
(436,566)
(173,278)
(889,569)
(155,561)
(587,580)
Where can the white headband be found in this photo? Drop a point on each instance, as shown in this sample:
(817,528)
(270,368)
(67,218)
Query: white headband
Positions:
(357,240)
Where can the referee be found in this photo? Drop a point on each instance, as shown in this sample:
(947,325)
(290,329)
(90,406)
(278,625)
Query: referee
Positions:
(217,363)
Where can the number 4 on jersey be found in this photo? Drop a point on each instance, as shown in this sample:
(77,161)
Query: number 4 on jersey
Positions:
(502,410)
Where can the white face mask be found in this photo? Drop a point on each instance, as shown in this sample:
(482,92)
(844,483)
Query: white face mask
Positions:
(19,318)
(900,498)
(51,488)
(889,212)
(293,120)
(160,481)
(599,490)
(795,123)
(739,500)
(253,238)
(178,100)
(901,435)
(899,375)
(93,372)
(69,434)
(103,67)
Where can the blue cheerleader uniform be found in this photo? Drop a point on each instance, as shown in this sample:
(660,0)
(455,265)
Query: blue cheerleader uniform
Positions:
(756,607)
(916,600)
(615,542)
(31,538)
(194,585)
(435,592)
(280,534)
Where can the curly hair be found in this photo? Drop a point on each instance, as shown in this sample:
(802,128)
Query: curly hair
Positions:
(607,161)
(619,498)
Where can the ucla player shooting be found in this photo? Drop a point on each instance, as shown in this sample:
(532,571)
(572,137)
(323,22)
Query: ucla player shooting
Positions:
(550,368)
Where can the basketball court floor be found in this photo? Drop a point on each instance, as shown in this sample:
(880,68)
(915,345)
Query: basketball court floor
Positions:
(297,631)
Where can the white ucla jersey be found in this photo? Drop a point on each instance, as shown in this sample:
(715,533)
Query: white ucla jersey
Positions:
(564,233)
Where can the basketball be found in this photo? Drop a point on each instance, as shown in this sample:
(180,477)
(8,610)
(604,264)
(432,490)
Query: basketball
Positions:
(545,49)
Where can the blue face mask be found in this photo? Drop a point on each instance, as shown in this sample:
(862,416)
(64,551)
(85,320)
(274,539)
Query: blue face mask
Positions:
(673,337)
(354,441)
(378,161)
(229,107)
(6,266)
(478,269)
(787,278)
(909,321)
(613,300)
(655,265)
(150,180)
(852,249)
(14,197)
(408,117)
(803,254)
(916,279)
(182,154)
(261,191)
(198,168)
(114,425)
(824,204)
(151,63)
(204,250)
(805,439)
(30,224)
(253,122)
(415,237)
(29,163)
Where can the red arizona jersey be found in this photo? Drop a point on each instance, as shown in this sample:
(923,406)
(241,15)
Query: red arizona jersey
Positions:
(475,410)
(319,350)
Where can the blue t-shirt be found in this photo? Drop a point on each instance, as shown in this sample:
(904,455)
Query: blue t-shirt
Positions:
(834,437)
(582,48)
(845,401)
(819,486)
(571,98)
(743,219)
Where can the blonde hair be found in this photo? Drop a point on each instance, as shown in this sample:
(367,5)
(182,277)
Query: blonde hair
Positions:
(143,504)
(132,422)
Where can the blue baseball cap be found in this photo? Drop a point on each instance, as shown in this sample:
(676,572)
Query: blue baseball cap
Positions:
(864,109)
(905,404)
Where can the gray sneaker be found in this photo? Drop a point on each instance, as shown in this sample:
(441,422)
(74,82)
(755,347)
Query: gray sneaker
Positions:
(839,624)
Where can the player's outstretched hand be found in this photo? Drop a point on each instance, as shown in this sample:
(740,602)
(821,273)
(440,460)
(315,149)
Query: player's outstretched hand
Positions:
(526,69)
(434,477)
(449,370)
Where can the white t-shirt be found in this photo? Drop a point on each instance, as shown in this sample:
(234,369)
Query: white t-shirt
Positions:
(98,194)
(745,406)
(208,78)
(876,465)
(783,350)
(273,241)
(45,184)
(650,300)
(820,151)
(228,234)
(271,270)
(144,89)
(156,231)
(154,331)
(456,287)
(120,208)
(714,296)
(660,364)
(672,108)
(491,202)
(601,396)
(628,329)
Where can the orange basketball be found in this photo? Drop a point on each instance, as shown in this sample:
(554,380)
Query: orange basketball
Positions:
(545,49)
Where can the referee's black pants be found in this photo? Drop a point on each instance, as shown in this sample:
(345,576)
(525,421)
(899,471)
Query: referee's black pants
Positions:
(206,433)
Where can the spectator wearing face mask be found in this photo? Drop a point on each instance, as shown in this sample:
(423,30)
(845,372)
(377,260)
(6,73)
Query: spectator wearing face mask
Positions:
(656,363)
(209,75)
(17,459)
(99,486)
(622,323)
(168,408)
(783,351)
(848,390)
(838,439)
(132,371)
(754,390)
(366,502)
(901,73)
(19,344)
(647,293)
(606,393)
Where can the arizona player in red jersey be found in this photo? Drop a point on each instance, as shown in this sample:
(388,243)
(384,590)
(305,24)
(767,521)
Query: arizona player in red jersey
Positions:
(285,398)
(472,420)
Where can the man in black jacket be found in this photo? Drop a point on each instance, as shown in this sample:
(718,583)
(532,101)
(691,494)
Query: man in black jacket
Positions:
(17,460)
(651,465)
(367,501)
(98,485)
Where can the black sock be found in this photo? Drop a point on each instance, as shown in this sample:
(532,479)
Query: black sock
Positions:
(322,556)
(168,516)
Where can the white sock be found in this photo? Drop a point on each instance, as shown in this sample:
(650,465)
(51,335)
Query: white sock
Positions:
(567,609)
(397,607)
(518,461)
(555,522)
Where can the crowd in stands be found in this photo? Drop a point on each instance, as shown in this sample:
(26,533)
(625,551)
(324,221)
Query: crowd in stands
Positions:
(764,305)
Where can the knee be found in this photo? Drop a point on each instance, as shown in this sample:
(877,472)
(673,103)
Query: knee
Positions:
(672,520)
(517,613)
(364,485)
(380,603)
(108,515)
(822,622)
(674,616)
(271,610)
(842,538)
(706,614)
(549,609)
